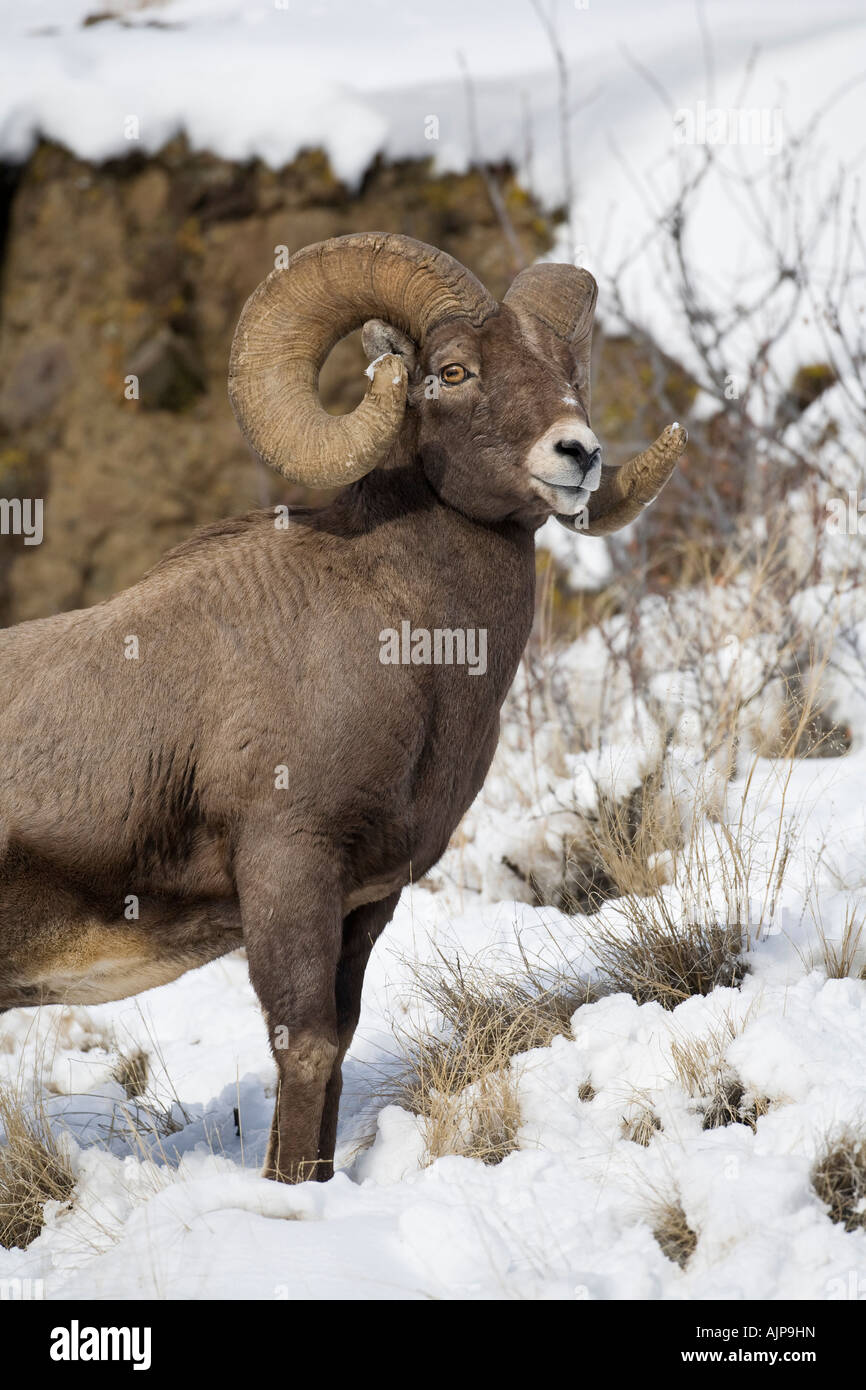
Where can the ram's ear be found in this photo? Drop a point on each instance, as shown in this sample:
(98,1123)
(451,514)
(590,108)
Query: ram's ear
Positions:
(379,337)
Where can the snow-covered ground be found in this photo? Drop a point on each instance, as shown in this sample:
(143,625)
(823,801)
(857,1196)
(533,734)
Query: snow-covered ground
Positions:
(568,1215)
(177,1209)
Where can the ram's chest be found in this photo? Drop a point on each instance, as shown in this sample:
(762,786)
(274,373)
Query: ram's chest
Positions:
(410,831)
(412,836)
(463,730)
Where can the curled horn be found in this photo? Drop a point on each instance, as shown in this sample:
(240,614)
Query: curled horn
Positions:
(290,324)
(625,491)
(562,297)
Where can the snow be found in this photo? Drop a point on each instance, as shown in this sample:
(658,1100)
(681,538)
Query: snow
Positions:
(565,1217)
(587,566)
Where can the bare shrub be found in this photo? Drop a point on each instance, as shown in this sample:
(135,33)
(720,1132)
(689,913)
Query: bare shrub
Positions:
(752,457)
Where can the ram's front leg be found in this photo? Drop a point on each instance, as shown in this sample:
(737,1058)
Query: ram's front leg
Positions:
(361,929)
(292,921)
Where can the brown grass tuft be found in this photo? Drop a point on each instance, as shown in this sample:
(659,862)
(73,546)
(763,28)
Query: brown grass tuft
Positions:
(841,957)
(625,839)
(657,959)
(701,1070)
(674,1234)
(132,1072)
(33,1170)
(804,728)
(461,1081)
(839,1178)
(641,1124)
(659,953)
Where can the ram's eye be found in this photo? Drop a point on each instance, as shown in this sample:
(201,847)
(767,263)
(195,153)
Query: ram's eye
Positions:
(453,374)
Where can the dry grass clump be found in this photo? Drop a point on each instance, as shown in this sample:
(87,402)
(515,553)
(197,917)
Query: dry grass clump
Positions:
(805,728)
(480,1121)
(664,948)
(33,1170)
(839,1179)
(842,954)
(148,1117)
(504,1013)
(132,1071)
(615,852)
(145,1122)
(460,1081)
(672,1231)
(641,1124)
(701,1070)
(841,957)
(618,858)
(730,1105)
(155,1110)
(659,960)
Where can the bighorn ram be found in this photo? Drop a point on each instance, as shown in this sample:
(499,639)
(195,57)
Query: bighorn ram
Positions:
(256,774)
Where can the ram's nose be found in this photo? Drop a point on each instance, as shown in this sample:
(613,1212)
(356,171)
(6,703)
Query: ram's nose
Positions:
(586,456)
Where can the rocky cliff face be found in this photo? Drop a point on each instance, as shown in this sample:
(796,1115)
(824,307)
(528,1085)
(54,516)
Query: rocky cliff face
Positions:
(140,268)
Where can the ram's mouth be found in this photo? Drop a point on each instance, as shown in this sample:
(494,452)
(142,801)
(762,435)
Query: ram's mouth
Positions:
(568,498)
(564,497)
